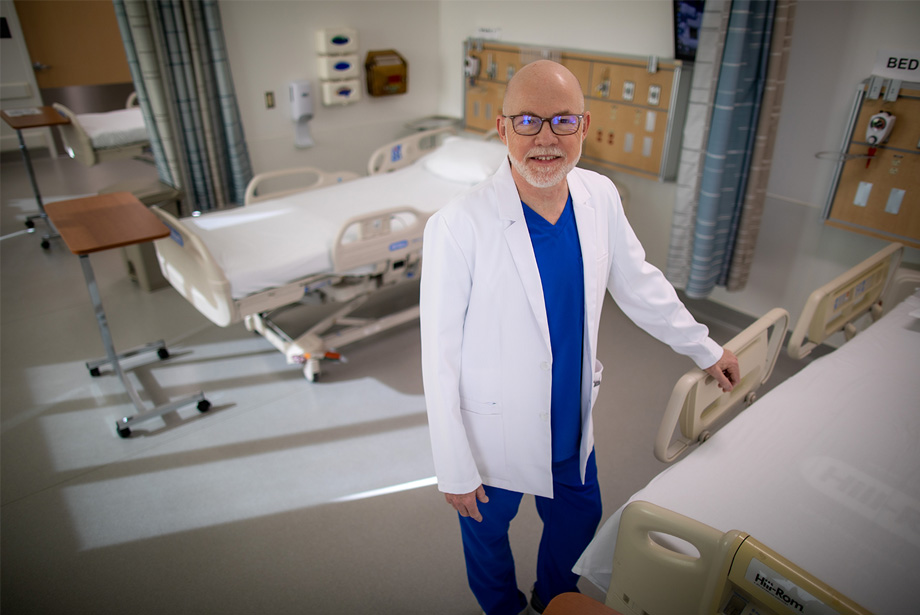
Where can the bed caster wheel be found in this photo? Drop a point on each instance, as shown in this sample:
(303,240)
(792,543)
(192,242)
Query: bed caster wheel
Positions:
(94,372)
(311,370)
(30,224)
(45,244)
(123,432)
(203,406)
(704,436)
(163,353)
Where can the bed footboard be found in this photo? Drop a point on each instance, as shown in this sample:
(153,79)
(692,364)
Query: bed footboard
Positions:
(404,152)
(697,404)
(191,269)
(835,306)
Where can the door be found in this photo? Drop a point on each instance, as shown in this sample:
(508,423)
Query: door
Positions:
(73,43)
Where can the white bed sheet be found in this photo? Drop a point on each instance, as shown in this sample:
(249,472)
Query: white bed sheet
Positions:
(114,128)
(824,469)
(275,242)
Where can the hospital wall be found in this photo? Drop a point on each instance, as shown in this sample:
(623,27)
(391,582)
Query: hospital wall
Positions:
(271,43)
(834,45)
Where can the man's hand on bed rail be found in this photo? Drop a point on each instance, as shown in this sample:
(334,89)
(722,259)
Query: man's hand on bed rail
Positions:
(726,371)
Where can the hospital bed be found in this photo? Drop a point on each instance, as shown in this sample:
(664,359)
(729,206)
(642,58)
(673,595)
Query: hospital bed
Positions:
(340,241)
(808,496)
(92,138)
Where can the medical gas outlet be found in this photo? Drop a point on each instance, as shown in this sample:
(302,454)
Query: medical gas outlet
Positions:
(338,64)
(877,132)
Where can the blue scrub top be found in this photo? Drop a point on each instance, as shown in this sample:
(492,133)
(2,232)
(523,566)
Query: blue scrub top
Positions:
(558,254)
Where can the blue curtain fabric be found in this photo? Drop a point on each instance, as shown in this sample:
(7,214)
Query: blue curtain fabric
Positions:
(716,160)
(732,131)
(695,139)
(179,64)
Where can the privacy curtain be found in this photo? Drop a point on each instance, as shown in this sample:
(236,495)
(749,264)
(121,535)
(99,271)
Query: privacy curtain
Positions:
(181,74)
(728,142)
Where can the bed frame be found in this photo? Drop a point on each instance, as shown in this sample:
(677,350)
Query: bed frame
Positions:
(193,271)
(697,404)
(729,573)
(836,306)
(80,146)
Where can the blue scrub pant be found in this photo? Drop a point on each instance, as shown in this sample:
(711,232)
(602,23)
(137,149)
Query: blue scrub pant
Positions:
(570,519)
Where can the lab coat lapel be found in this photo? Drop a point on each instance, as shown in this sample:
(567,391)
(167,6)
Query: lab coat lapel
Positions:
(586,221)
(518,237)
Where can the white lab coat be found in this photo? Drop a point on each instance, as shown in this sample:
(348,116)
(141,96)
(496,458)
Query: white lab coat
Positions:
(486,355)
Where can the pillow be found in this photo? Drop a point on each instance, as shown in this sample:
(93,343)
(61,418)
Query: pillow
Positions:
(467,161)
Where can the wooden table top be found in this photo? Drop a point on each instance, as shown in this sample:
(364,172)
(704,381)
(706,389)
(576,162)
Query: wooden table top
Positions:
(45,116)
(105,221)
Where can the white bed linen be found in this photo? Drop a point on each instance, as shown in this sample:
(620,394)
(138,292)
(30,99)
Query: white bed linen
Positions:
(275,242)
(824,469)
(114,128)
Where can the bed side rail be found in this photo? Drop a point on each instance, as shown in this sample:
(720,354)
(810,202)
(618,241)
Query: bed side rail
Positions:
(379,239)
(308,178)
(697,404)
(191,269)
(78,144)
(838,304)
(655,576)
(405,151)
(656,572)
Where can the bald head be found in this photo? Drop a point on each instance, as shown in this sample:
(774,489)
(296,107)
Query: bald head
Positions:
(540,79)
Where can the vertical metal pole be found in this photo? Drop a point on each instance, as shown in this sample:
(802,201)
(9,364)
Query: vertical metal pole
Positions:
(104,329)
(28,160)
(38,197)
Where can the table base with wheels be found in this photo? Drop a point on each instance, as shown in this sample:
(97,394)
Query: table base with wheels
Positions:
(93,224)
(123,425)
(22,119)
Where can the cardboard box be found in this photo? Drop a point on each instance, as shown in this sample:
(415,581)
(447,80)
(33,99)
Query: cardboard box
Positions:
(387,73)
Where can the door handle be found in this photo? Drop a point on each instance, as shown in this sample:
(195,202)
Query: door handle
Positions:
(39,66)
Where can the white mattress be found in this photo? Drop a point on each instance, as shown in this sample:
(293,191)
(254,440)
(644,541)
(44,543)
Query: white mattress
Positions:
(275,242)
(114,128)
(824,469)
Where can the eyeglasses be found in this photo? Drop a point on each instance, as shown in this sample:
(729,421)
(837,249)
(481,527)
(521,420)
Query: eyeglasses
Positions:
(530,125)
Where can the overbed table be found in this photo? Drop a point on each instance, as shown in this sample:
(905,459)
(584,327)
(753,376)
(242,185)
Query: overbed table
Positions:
(35,117)
(103,222)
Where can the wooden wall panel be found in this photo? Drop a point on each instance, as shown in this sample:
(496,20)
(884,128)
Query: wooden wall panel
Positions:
(636,114)
(865,194)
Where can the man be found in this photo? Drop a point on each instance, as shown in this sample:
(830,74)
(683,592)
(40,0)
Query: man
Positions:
(514,274)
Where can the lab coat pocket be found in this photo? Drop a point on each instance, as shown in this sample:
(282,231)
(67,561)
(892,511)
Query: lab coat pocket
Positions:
(596,380)
(485,432)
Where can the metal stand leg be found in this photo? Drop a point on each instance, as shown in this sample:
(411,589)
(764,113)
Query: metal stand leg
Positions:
(38,197)
(124,425)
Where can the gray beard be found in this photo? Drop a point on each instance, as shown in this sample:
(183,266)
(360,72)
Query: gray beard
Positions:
(544,179)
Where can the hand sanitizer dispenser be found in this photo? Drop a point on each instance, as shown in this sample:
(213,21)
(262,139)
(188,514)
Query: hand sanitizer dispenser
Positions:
(301,112)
